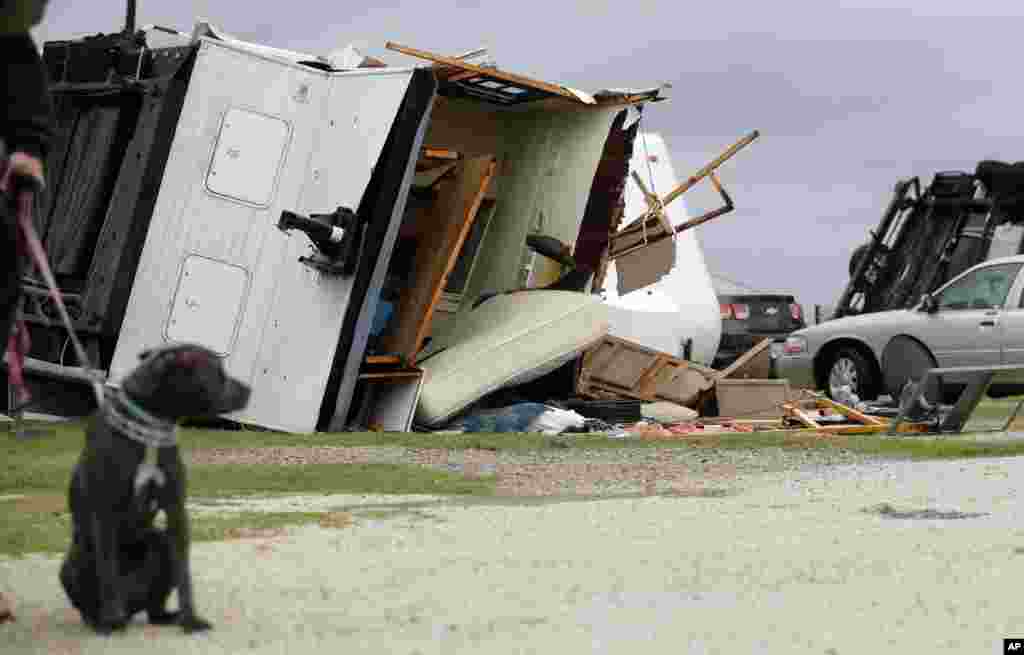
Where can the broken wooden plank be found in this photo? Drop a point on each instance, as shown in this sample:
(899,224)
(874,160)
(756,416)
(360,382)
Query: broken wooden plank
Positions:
(389,375)
(616,367)
(486,72)
(440,153)
(647,229)
(742,360)
(851,413)
(791,410)
(447,224)
(383,359)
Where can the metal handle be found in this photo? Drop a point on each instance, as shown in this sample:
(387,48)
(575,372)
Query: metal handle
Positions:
(988,323)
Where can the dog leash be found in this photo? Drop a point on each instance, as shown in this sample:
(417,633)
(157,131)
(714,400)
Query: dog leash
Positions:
(18,341)
(131,421)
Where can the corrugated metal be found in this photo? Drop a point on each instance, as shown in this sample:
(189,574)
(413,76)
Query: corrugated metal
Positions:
(292,314)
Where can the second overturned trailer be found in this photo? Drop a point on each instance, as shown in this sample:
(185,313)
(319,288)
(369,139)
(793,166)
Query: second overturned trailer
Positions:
(929,236)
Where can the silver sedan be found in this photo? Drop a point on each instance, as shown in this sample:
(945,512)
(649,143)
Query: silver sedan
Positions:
(975,319)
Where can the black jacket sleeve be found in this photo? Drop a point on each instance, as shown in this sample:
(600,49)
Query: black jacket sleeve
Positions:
(26,121)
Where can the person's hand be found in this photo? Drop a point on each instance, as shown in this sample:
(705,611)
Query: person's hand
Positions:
(27,167)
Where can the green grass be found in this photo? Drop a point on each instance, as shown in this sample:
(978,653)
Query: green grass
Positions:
(225,480)
(44,465)
(39,523)
(40,469)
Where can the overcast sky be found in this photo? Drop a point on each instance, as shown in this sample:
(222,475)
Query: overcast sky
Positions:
(849,95)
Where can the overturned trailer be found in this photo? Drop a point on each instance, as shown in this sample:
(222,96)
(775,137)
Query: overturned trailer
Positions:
(928,236)
(178,158)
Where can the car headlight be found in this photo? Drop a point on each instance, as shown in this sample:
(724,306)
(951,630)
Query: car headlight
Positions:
(795,345)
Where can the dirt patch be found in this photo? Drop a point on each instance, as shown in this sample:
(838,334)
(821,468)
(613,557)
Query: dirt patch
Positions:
(254,533)
(336,520)
(290,455)
(6,609)
(527,475)
(41,504)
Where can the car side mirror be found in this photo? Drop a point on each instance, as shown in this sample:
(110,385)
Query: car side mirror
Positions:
(929,304)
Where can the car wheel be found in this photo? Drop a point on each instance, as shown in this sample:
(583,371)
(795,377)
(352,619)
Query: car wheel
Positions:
(905,359)
(850,368)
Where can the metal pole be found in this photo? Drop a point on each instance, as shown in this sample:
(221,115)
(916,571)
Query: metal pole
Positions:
(129,17)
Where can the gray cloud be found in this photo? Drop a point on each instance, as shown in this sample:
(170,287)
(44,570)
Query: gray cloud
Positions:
(850,95)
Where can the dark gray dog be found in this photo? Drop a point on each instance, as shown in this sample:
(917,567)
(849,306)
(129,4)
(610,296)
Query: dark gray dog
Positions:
(119,563)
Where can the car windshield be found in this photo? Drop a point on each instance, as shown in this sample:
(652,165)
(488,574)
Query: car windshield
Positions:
(985,288)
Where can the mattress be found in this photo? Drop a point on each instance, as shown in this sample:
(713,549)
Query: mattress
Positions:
(510,339)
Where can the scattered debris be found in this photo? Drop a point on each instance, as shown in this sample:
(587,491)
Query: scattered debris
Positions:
(616,368)
(612,411)
(664,412)
(752,398)
(757,359)
(523,417)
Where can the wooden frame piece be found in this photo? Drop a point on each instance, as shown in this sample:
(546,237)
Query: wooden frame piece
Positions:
(653,227)
(866,424)
(494,73)
(447,225)
(742,360)
(618,368)
(440,153)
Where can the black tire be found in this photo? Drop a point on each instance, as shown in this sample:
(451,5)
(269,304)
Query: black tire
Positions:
(851,366)
(905,359)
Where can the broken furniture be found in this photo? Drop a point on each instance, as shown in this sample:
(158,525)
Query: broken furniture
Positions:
(448,193)
(797,411)
(653,226)
(617,368)
(509,339)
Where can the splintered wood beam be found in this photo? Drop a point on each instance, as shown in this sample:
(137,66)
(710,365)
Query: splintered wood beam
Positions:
(711,167)
(798,414)
(440,153)
(705,171)
(444,228)
(743,359)
(383,359)
(494,73)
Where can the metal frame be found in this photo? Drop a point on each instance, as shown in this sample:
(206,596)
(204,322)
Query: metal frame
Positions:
(980,379)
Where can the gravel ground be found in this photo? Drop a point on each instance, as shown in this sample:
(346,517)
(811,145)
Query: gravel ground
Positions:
(570,471)
(799,556)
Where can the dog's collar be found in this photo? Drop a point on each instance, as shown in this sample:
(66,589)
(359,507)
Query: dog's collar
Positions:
(124,415)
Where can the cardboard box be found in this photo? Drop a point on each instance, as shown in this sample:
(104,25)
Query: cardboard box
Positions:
(752,398)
